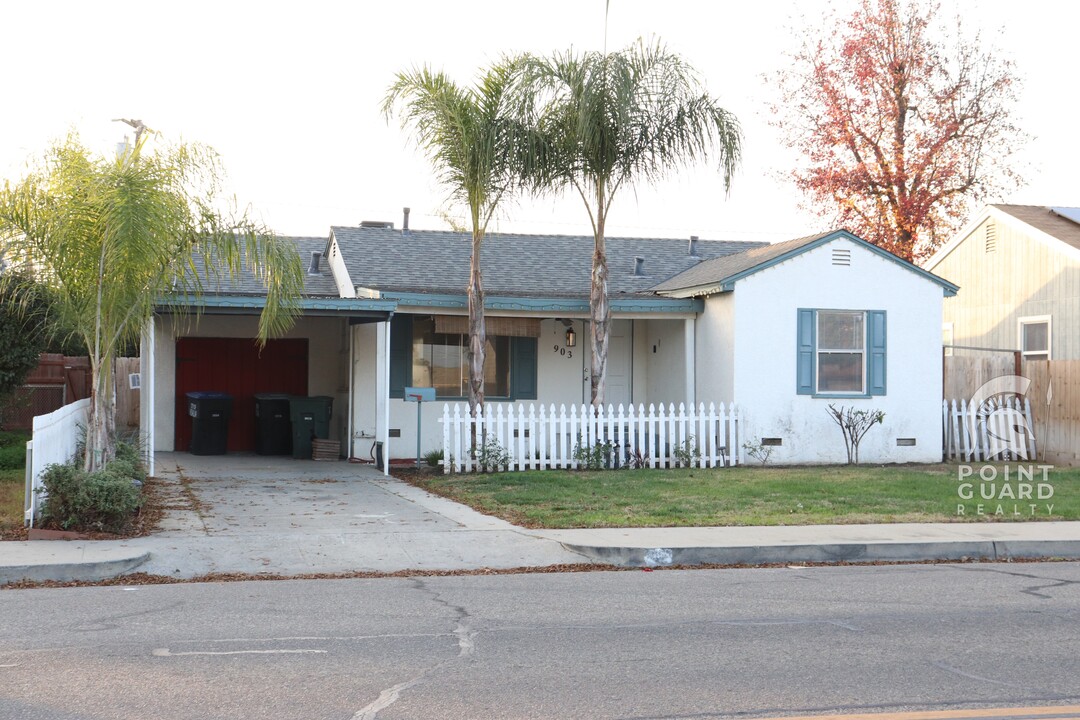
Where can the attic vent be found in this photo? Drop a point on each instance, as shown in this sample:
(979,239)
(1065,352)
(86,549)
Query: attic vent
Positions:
(377,224)
(639,266)
(841,256)
(313,269)
(991,237)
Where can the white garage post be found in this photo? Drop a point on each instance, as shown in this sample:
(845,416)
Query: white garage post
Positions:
(386,401)
(688,360)
(146,395)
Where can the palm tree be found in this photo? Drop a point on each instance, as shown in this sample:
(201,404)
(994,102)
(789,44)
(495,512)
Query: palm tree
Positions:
(472,145)
(113,237)
(610,120)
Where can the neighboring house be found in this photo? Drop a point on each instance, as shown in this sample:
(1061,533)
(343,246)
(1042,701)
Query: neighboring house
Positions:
(788,329)
(704,321)
(1019,266)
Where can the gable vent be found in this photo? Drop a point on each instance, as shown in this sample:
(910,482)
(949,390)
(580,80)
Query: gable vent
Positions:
(841,256)
(991,237)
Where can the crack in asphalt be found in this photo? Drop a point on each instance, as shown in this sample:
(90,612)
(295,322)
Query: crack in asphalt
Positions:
(1032,590)
(464,635)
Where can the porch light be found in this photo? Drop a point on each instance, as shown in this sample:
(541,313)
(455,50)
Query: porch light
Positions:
(571,337)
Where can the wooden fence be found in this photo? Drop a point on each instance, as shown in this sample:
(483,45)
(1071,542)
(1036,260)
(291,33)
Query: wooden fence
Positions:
(127,397)
(998,428)
(1055,399)
(516,437)
(1052,403)
(966,373)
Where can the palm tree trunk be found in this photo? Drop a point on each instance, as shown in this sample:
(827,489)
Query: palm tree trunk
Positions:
(477,332)
(99,448)
(601,310)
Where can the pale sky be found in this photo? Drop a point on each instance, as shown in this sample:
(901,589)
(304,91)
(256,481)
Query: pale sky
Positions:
(289,95)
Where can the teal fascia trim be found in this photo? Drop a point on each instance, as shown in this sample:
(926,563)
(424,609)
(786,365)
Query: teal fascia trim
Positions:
(619,305)
(728,283)
(257,302)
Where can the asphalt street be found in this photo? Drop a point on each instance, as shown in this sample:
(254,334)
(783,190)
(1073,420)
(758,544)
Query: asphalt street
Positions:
(665,644)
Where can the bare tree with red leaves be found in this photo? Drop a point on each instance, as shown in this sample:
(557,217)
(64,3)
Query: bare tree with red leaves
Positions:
(902,127)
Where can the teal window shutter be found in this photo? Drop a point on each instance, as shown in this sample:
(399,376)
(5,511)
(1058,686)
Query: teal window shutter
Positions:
(400,354)
(523,370)
(807,344)
(876,369)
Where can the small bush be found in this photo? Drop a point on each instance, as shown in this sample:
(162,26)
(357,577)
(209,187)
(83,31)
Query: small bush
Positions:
(434,458)
(104,501)
(687,454)
(595,457)
(491,456)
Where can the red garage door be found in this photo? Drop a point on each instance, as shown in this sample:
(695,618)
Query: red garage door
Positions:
(236,366)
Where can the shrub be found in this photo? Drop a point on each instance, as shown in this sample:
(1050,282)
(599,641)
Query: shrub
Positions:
(491,456)
(595,457)
(687,454)
(105,501)
(434,458)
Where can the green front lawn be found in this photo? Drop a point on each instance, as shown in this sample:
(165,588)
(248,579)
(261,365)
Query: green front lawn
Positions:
(746,496)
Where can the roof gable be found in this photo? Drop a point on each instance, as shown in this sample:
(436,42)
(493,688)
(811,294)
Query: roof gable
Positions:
(1053,226)
(721,274)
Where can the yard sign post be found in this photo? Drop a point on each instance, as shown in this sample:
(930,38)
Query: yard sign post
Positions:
(419,396)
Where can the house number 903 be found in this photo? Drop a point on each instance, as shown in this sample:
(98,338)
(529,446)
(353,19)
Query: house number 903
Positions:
(565,352)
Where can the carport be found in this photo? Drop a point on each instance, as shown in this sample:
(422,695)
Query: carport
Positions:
(208,344)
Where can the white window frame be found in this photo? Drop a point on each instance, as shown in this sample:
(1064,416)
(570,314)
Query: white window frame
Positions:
(865,352)
(1036,320)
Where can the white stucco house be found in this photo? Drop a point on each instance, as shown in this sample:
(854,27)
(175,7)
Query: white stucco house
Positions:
(781,329)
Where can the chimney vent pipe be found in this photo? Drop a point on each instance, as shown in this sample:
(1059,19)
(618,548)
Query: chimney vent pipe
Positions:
(639,266)
(405,222)
(313,269)
(693,246)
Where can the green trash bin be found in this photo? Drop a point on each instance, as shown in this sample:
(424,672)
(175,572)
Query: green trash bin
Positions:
(310,418)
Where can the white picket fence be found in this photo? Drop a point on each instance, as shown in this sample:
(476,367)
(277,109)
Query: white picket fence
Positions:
(55,438)
(997,429)
(543,438)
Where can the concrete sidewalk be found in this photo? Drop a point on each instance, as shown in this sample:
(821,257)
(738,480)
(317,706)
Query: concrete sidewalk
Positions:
(246,514)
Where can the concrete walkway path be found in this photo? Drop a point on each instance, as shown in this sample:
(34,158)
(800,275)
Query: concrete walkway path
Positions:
(251,514)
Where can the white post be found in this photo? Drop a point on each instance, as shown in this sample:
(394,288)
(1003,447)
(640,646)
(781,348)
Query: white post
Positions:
(688,360)
(146,395)
(386,397)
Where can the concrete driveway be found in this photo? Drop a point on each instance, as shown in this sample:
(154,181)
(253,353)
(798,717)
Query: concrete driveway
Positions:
(276,515)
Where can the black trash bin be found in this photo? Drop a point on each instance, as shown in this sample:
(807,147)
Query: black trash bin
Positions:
(273,426)
(310,419)
(210,413)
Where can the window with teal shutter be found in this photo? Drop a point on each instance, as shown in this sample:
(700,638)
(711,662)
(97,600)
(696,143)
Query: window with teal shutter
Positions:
(876,371)
(841,353)
(806,347)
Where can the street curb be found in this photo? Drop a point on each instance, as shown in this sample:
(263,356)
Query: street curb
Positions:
(72,571)
(830,552)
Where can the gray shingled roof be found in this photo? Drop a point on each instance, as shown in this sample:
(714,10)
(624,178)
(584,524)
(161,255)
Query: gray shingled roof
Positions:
(1044,219)
(714,272)
(247,284)
(389,260)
